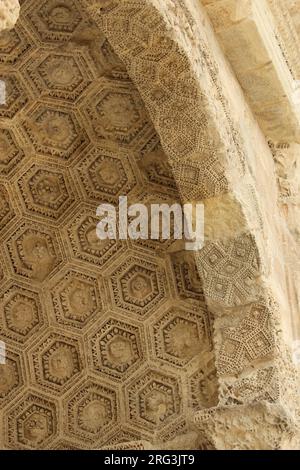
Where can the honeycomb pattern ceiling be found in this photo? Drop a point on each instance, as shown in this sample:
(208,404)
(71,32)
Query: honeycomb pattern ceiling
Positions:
(107,341)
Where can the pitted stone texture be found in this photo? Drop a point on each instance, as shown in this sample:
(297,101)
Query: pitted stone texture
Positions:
(230,270)
(243,342)
(260,426)
(9,13)
(136,392)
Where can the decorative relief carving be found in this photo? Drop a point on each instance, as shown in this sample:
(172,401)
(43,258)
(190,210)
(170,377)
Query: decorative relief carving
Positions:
(9,12)
(6,211)
(84,243)
(106,175)
(116,113)
(34,252)
(11,376)
(138,286)
(91,411)
(230,270)
(46,192)
(57,361)
(157,170)
(63,76)
(15,45)
(180,335)
(186,275)
(10,153)
(154,400)
(15,96)
(76,298)
(22,315)
(71,87)
(117,349)
(32,423)
(54,132)
(252,339)
(260,385)
(54,20)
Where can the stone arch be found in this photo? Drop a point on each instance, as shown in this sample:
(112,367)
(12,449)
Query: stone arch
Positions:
(172,57)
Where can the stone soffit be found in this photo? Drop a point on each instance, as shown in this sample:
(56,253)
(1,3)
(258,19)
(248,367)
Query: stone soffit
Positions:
(75,128)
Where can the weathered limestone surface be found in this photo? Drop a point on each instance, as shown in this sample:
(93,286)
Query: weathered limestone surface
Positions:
(244,281)
(140,345)
(248,34)
(9,13)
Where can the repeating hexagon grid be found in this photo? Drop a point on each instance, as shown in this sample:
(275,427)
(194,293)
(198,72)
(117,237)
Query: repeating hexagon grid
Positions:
(83,319)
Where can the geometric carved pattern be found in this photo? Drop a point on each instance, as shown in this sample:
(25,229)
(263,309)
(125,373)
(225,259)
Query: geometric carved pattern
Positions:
(203,384)
(229,270)
(56,361)
(92,410)
(253,339)
(21,313)
(138,286)
(200,180)
(261,385)
(154,400)
(59,75)
(105,175)
(10,376)
(187,279)
(34,251)
(32,424)
(45,192)
(75,133)
(157,170)
(149,197)
(54,131)
(10,153)
(84,243)
(180,335)
(116,113)
(65,89)
(6,213)
(117,348)
(54,20)
(15,97)
(76,298)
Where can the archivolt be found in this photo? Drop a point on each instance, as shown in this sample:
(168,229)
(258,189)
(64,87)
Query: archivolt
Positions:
(169,52)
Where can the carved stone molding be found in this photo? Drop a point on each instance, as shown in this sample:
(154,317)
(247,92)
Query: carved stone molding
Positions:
(132,341)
